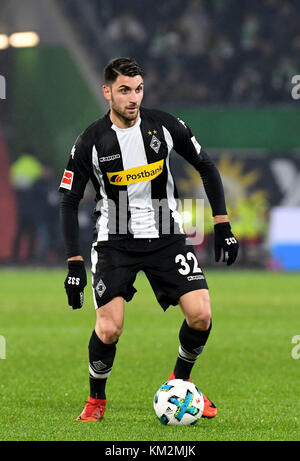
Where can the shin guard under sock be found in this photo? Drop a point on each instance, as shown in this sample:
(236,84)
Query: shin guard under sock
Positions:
(192,343)
(101,358)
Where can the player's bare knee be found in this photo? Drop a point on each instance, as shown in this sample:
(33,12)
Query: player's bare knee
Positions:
(109,332)
(109,337)
(201,322)
(201,318)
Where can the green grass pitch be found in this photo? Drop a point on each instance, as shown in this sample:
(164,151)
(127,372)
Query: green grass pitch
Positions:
(247,368)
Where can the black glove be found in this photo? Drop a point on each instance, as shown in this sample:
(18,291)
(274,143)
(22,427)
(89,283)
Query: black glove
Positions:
(224,239)
(75,283)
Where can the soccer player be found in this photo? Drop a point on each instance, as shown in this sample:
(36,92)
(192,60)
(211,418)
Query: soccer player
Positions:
(126,156)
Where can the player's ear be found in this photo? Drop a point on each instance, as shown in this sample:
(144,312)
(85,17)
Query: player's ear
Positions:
(106,92)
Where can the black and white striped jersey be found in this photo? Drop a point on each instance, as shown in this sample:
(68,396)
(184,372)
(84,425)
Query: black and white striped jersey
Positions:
(130,171)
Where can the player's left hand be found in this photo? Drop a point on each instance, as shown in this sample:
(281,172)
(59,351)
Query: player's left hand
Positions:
(226,241)
(75,283)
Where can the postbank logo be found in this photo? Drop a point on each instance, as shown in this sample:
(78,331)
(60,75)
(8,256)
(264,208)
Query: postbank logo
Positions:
(137,174)
(115,179)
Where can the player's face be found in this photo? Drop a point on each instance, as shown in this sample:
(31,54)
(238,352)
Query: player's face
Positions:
(125,96)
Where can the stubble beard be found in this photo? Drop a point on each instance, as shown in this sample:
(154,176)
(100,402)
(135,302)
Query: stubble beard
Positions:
(126,117)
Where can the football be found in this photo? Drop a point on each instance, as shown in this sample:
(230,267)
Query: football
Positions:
(178,403)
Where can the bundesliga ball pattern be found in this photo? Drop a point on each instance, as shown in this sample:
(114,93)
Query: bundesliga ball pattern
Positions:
(178,403)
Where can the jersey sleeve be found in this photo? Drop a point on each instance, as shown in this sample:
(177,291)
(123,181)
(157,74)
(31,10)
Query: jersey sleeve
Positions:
(78,170)
(186,145)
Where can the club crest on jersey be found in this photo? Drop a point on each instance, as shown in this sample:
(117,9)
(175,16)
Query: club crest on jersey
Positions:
(67,180)
(155,143)
(137,174)
(100,288)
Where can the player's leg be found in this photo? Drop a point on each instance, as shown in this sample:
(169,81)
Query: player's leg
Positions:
(102,345)
(193,336)
(176,278)
(113,274)
(102,351)
(194,331)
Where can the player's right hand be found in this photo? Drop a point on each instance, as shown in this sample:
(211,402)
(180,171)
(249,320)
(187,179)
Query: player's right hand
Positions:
(75,283)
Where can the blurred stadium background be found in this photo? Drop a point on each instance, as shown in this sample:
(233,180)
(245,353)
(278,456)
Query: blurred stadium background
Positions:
(225,67)
(229,69)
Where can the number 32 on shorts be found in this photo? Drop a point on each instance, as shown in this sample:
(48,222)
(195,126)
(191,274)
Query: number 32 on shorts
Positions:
(185,266)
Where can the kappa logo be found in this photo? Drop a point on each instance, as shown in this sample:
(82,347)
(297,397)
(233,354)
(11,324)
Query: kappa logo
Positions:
(109,158)
(195,277)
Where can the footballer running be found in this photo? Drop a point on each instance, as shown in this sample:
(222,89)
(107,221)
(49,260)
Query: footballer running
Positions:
(126,156)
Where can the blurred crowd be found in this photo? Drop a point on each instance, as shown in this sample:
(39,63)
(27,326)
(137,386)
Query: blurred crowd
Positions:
(198,51)
(37,237)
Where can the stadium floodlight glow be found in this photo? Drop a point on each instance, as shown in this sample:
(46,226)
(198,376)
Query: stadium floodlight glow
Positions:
(4,42)
(24,39)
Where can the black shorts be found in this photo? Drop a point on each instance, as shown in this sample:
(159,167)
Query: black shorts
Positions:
(170,265)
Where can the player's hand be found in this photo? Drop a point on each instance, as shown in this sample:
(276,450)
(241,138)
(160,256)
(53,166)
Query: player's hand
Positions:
(226,241)
(75,283)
